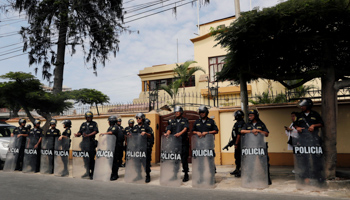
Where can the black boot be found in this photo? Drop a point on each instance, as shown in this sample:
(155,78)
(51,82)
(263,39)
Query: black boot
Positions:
(114,177)
(234,172)
(148,178)
(185,177)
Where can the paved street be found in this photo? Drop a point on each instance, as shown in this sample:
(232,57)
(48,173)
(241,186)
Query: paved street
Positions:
(17,186)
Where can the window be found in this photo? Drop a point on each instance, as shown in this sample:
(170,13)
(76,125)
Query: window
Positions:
(215,65)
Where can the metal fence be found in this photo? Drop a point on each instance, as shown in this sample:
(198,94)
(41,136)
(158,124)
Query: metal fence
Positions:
(191,101)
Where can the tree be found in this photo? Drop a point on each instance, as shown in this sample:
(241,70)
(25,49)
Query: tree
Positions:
(94,24)
(297,39)
(183,73)
(25,90)
(172,89)
(88,96)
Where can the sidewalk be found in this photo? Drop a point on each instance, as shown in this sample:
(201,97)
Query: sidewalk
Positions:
(283,182)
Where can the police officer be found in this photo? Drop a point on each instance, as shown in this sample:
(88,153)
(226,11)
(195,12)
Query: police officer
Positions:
(311,121)
(19,132)
(52,132)
(202,127)
(143,128)
(236,137)
(120,141)
(127,130)
(89,129)
(67,125)
(38,133)
(256,126)
(115,130)
(179,127)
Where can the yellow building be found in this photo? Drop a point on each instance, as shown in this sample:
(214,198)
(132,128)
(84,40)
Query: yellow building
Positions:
(211,59)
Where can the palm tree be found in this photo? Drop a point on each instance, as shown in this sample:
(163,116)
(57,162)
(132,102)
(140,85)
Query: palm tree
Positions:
(172,89)
(183,73)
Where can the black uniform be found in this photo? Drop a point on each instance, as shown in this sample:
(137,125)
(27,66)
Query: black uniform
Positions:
(67,132)
(204,126)
(126,131)
(120,144)
(175,126)
(87,128)
(118,151)
(236,130)
(147,129)
(260,126)
(312,165)
(17,131)
(37,133)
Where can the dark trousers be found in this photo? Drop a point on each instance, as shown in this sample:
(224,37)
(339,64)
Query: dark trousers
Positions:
(184,157)
(38,157)
(238,156)
(117,159)
(20,157)
(148,161)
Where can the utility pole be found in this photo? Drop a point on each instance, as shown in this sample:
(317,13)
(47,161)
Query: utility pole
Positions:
(242,82)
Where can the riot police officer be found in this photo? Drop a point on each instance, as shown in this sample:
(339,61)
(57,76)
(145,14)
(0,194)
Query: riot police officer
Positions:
(202,127)
(142,128)
(38,133)
(89,129)
(67,125)
(52,132)
(236,137)
(127,130)
(256,126)
(179,127)
(118,152)
(308,123)
(20,132)
(120,141)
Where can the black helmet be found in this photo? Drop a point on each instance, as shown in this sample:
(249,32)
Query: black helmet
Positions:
(112,119)
(37,121)
(255,113)
(140,115)
(119,120)
(67,123)
(28,126)
(203,109)
(238,115)
(306,102)
(178,109)
(89,114)
(22,120)
(131,121)
(147,121)
(53,121)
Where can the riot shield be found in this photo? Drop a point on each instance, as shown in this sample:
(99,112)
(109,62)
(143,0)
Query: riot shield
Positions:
(47,155)
(104,157)
(308,161)
(254,161)
(135,169)
(170,161)
(12,154)
(30,155)
(61,157)
(203,166)
(81,159)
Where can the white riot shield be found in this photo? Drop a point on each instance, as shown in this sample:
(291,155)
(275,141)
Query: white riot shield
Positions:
(308,161)
(203,165)
(135,169)
(170,161)
(47,155)
(12,154)
(104,157)
(30,155)
(61,157)
(81,160)
(254,161)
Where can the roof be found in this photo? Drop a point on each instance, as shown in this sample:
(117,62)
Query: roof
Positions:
(218,20)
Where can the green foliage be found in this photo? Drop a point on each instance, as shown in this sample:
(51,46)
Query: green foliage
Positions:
(297,39)
(267,98)
(88,96)
(24,90)
(183,73)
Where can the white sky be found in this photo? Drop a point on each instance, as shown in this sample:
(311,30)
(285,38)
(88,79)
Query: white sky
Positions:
(155,44)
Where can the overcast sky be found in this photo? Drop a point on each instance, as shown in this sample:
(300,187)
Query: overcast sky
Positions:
(155,44)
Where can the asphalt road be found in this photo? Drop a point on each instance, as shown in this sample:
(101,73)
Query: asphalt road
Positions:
(18,186)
